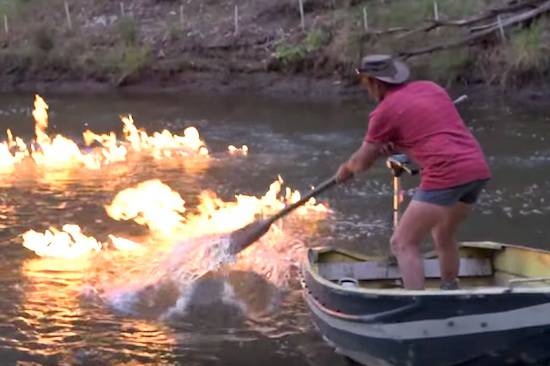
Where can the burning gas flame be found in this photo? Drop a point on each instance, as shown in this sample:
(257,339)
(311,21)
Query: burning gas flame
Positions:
(154,276)
(160,145)
(150,203)
(162,210)
(70,243)
(243,150)
(12,152)
(163,143)
(55,153)
(40,115)
(156,206)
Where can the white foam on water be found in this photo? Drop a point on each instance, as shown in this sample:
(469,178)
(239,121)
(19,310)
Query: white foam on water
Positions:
(160,282)
(165,287)
(229,297)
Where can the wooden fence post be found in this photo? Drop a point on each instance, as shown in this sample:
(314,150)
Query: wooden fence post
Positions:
(501,28)
(365,19)
(68,14)
(236,15)
(122,12)
(181,17)
(6,26)
(436,15)
(302,20)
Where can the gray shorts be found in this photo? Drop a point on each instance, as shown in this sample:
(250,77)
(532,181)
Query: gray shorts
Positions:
(467,193)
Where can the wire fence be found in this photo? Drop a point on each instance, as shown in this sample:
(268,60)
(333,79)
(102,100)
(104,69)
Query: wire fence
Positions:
(178,20)
(10,21)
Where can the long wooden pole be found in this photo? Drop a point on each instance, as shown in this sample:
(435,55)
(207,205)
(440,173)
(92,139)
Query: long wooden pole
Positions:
(365,19)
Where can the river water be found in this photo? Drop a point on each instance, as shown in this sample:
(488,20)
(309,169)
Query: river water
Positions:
(44,317)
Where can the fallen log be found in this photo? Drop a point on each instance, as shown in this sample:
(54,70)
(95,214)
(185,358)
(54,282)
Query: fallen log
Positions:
(513,20)
(491,13)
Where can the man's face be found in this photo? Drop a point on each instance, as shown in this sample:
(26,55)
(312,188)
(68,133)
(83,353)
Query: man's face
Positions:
(371,85)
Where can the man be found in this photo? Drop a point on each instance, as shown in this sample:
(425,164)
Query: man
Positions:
(419,119)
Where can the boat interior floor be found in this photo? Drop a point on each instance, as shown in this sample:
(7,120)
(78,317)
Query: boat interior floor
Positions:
(475,272)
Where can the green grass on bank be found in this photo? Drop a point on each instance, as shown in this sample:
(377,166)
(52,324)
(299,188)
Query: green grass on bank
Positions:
(335,39)
(525,55)
(528,49)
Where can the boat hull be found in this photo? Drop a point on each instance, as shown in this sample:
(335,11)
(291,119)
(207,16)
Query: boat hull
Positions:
(439,328)
(490,348)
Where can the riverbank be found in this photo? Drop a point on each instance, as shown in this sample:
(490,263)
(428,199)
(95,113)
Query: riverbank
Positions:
(263,46)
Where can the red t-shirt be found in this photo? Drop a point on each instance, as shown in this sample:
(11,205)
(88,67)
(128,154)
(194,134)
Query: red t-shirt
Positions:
(422,121)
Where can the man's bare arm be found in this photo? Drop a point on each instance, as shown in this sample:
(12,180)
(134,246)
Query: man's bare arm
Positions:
(360,160)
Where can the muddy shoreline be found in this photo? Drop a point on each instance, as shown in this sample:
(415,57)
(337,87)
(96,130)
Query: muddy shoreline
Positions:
(275,85)
(148,48)
(268,84)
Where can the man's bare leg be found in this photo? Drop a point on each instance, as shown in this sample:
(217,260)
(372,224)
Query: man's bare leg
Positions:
(443,235)
(417,221)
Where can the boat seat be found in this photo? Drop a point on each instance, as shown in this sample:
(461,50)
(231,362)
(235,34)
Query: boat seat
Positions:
(384,270)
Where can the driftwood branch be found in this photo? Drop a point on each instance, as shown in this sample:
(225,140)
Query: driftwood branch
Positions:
(381,32)
(513,20)
(490,14)
(431,24)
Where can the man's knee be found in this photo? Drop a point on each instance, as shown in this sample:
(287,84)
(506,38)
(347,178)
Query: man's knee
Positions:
(398,244)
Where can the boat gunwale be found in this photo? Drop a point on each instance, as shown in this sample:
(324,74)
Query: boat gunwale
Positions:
(478,291)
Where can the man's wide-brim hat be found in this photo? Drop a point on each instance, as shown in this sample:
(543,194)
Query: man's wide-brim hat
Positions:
(385,68)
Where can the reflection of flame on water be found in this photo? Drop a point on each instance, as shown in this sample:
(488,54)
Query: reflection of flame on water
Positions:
(184,245)
(56,326)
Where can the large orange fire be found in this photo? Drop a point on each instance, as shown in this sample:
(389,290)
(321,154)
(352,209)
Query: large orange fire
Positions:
(182,242)
(162,210)
(61,153)
(152,277)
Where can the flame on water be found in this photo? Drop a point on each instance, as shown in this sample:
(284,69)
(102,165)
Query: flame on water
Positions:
(153,277)
(124,244)
(182,242)
(112,150)
(163,144)
(70,243)
(157,206)
(233,150)
(61,153)
(150,203)
(12,152)
(40,115)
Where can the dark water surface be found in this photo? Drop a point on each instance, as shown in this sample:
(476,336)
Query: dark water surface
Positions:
(45,320)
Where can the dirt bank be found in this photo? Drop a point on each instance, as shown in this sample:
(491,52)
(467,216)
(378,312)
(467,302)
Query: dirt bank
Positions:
(198,45)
